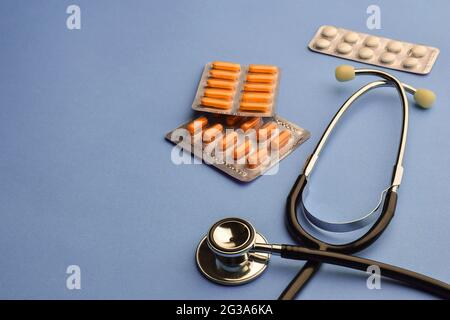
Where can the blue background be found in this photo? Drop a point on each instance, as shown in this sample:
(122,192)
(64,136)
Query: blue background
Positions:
(86,176)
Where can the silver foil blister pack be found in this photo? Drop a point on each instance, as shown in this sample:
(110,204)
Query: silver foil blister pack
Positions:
(235,89)
(375,50)
(242,147)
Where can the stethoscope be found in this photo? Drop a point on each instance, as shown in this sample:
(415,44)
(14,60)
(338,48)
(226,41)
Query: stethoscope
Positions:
(234,253)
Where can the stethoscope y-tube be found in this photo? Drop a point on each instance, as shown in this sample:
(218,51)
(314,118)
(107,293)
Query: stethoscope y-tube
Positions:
(295,198)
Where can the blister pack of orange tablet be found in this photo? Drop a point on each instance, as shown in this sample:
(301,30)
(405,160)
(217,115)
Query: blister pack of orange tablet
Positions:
(243,147)
(234,89)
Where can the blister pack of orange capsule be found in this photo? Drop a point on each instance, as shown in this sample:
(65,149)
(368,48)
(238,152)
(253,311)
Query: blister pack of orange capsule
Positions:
(235,89)
(242,147)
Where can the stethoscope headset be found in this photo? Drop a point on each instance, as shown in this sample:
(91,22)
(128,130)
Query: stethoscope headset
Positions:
(234,253)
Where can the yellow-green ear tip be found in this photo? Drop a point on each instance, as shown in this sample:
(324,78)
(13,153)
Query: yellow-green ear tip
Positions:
(345,73)
(424,98)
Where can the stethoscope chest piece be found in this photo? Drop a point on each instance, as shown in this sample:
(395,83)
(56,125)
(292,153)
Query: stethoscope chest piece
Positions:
(224,255)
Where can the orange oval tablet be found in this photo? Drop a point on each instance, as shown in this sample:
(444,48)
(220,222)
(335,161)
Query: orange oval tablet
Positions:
(226,66)
(223,74)
(258,87)
(257,158)
(232,120)
(197,125)
(212,132)
(242,150)
(229,140)
(255,106)
(260,68)
(257,97)
(219,93)
(216,103)
(281,140)
(261,77)
(266,130)
(251,123)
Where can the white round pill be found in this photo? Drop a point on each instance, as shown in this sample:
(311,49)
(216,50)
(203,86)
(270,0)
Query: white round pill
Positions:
(387,57)
(410,63)
(344,48)
(329,31)
(322,44)
(365,53)
(351,37)
(372,42)
(418,51)
(394,46)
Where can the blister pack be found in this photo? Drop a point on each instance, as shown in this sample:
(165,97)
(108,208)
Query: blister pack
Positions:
(243,147)
(234,89)
(379,51)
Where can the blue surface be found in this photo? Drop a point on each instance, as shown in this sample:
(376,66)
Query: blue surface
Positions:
(86,176)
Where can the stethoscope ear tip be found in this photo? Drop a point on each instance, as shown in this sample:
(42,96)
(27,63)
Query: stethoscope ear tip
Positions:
(424,98)
(345,73)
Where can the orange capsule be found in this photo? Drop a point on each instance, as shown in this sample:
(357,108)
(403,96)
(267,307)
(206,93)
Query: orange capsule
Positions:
(266,130)
(219,93)
(229,140)
(232,120)
(258,87)
(255,106)
(197,125)
(260,68)
(212,132)
(221,84)
(242,150)
(257,97)
(220,65)
(281,140)
(261,77)
(257,158)
(216,103)
(251,123)
(222,74)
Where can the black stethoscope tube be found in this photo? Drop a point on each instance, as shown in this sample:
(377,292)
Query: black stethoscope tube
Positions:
(413,279)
